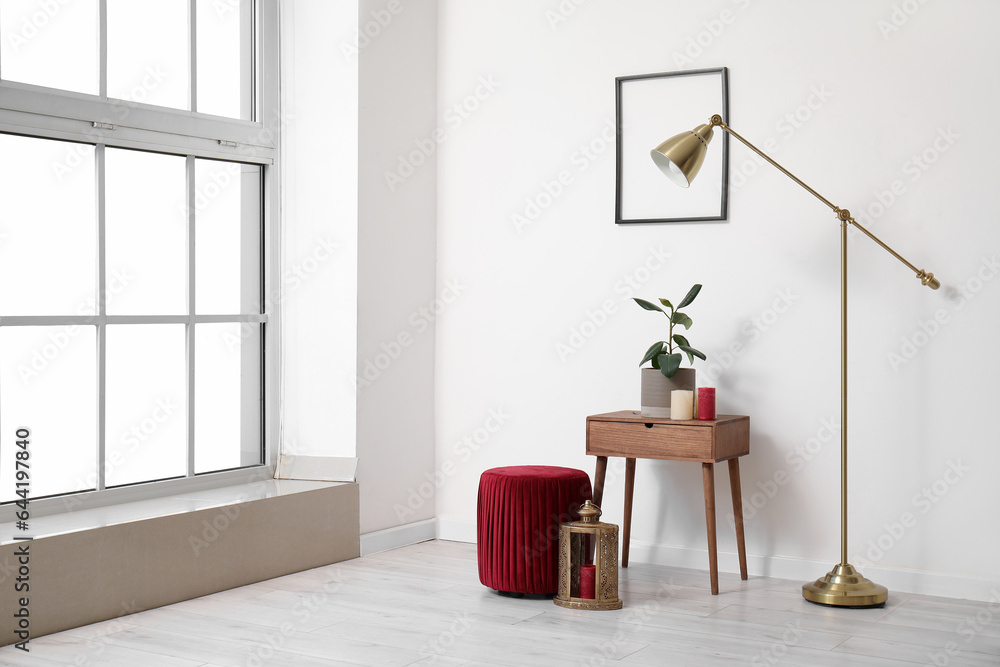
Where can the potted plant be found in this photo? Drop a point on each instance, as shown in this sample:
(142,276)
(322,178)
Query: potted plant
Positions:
(666,356)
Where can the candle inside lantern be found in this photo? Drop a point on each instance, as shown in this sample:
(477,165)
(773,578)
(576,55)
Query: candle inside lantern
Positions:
(706,403)
(588,577)
(681,401)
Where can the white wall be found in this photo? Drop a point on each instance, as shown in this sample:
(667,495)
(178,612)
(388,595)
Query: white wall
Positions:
(396,267)
(887,96)
(320,230)
(359,331)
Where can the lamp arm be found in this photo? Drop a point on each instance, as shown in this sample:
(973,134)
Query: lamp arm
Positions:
(844,215)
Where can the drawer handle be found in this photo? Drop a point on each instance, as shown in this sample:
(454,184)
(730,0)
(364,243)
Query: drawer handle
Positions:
(648,425)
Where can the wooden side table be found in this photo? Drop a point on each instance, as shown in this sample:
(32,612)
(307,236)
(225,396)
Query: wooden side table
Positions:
(627,433)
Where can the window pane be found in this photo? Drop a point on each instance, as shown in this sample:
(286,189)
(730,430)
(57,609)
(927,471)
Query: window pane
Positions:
(146,233)
(50,44)
(227,244)
(146,404)
(148,52)
(225,57)
(227,396)
(48,229)
(48,384)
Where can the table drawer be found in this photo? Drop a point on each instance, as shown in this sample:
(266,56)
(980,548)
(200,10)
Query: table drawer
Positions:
(656,441)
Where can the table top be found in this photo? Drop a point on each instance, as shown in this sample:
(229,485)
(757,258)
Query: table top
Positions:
(636,416)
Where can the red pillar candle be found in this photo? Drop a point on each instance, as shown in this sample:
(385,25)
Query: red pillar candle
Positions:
(588,575)
(706,403)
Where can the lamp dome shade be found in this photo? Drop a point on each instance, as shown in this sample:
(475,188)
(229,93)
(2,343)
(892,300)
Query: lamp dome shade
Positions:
(680,157)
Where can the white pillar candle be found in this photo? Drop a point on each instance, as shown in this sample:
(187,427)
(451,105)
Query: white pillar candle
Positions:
(681,404)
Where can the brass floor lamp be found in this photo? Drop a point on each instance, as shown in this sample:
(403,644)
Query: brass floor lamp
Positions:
(680,158)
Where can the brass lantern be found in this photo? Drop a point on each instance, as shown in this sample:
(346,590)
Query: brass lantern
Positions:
(588,562)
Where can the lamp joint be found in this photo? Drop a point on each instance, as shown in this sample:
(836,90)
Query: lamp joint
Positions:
(927,278)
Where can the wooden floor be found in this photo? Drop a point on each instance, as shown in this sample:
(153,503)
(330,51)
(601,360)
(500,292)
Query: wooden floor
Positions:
(424,605)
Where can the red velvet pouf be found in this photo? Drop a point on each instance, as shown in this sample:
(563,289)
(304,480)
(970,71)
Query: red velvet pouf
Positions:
(520,509)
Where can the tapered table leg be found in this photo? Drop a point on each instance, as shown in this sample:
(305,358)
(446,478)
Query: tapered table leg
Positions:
(734,488)
(627,528)
(599,473)
(708,476)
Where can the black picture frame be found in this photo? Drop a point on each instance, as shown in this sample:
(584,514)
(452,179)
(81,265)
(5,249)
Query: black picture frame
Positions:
(649,108)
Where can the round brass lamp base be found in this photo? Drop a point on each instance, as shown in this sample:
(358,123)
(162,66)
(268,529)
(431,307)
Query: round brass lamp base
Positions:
(845,587)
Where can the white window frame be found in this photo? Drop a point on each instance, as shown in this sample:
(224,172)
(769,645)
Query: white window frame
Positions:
(47,113)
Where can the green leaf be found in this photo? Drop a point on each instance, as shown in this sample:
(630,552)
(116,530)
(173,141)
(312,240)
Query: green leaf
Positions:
(681,342)
(669,363)
(647,305)
(667,304)
(654,351)
(690,350)
(692,293)
(680,318)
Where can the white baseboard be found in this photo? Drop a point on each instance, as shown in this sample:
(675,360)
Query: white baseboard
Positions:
(960,586)
(455,530)
(398,536)
(782,567)
(906,580)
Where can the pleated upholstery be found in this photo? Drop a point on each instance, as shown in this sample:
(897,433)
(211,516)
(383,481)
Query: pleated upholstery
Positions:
(520,509)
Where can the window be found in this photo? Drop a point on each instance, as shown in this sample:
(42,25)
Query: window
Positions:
(138,145)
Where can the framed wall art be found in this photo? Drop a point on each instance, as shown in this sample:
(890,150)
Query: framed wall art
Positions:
(651,108)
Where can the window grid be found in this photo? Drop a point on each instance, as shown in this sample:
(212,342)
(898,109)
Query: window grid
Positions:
(191,319)
(189,329)
(102,49)
(193,53)
(27,108)
(102,297)
(20,115)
